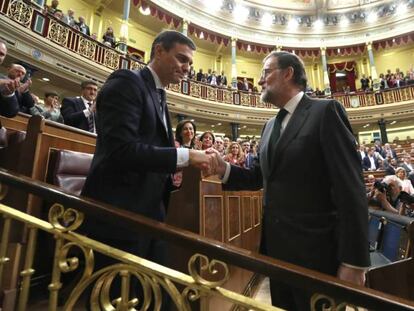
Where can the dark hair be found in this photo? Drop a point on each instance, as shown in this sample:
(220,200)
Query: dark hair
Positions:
(205,133)
(84,84)
(285,60)
(179,130)
(168,39)
(51,93)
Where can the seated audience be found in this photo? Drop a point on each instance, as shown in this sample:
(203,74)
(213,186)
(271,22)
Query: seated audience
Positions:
(207,140)
(78,111)
(109,38)
(408,164)
(49,109)
(185,134)
(390,167)
(234,154)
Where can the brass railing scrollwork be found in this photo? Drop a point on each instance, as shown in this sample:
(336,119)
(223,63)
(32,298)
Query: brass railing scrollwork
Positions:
(212,268)
(87,48)
(65,220)
(20,12)
(321,302)
(58,33)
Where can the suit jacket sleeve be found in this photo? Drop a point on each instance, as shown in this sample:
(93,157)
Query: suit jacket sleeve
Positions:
(122,107)
(70,113)
(9,106)
(27,101)
(348,191)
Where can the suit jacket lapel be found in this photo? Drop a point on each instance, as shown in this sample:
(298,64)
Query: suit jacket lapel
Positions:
(152,90)
(294,125)
(264,147)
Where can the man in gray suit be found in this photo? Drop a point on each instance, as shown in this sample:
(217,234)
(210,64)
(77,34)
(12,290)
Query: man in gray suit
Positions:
(315,210)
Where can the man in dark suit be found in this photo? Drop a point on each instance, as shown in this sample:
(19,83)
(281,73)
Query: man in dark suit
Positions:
(80,111)
(83,28)
(135,152)
(369,162)
(315,210)
(24,98)
(9,106)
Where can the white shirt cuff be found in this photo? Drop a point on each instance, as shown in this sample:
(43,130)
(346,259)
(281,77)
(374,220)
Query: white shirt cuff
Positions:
(355,267)
(183,157)
(8,96)
(226,175)
(87,113)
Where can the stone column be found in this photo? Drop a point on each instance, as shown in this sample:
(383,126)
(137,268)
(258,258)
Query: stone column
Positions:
(185,27)
(123,37)
(233,63)
(325,72)
(374,76)
(234,131)
(383,130)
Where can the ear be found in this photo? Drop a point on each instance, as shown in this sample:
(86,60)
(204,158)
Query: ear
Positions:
(158,50)
(289,73)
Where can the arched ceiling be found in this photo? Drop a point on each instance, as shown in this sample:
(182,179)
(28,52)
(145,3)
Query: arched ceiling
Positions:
(360,26)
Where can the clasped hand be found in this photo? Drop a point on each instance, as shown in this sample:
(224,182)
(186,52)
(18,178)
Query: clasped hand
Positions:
(209,161)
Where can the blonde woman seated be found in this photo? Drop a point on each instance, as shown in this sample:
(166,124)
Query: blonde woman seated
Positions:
(406,183)
(234,154)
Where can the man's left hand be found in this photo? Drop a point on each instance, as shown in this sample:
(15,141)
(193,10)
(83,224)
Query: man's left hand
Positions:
(353,275)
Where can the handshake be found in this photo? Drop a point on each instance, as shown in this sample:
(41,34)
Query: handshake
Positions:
(208,161)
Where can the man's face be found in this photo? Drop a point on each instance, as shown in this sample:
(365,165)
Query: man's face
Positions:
(226,142)
(219,144)
(55,3)
(89,92)
(393,162)
(272,81)
(3,52)
(246,147)
(174,64)
(17,72)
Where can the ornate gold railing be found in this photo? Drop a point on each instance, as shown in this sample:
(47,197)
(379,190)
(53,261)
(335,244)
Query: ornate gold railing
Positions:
(28,15)
(153,277)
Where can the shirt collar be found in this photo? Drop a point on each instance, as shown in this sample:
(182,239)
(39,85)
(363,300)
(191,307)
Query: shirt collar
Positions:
(293,102)
(157,80)
(85,101)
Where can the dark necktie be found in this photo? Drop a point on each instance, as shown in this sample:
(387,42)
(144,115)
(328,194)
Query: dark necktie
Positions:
(91,122)
(162,98)
(274,137)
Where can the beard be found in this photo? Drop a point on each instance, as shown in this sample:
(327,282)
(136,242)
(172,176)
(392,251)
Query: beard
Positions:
(267,96)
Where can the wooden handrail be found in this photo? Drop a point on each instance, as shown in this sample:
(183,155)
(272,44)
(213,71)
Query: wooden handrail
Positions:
(289,273)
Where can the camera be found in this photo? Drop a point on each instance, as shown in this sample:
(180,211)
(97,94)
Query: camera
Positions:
(406,198)
(380,186)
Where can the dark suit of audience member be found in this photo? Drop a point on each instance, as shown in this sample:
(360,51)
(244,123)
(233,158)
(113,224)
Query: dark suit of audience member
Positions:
(83,27)
(25,100)
(312,217)
(199,75)
(79,112)
(367,164)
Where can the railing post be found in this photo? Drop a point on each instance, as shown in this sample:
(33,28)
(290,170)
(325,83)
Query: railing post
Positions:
(55,284)
(28,271)
(4,245)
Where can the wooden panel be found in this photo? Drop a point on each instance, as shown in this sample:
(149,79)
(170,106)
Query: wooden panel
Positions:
(247,213)
(233,217)
(257,215)
(213,217)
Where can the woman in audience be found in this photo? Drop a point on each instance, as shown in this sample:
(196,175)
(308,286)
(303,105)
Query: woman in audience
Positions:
(50,109)
(185,134)
(235,154)
(109,38)
(406,183)
(207,140)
